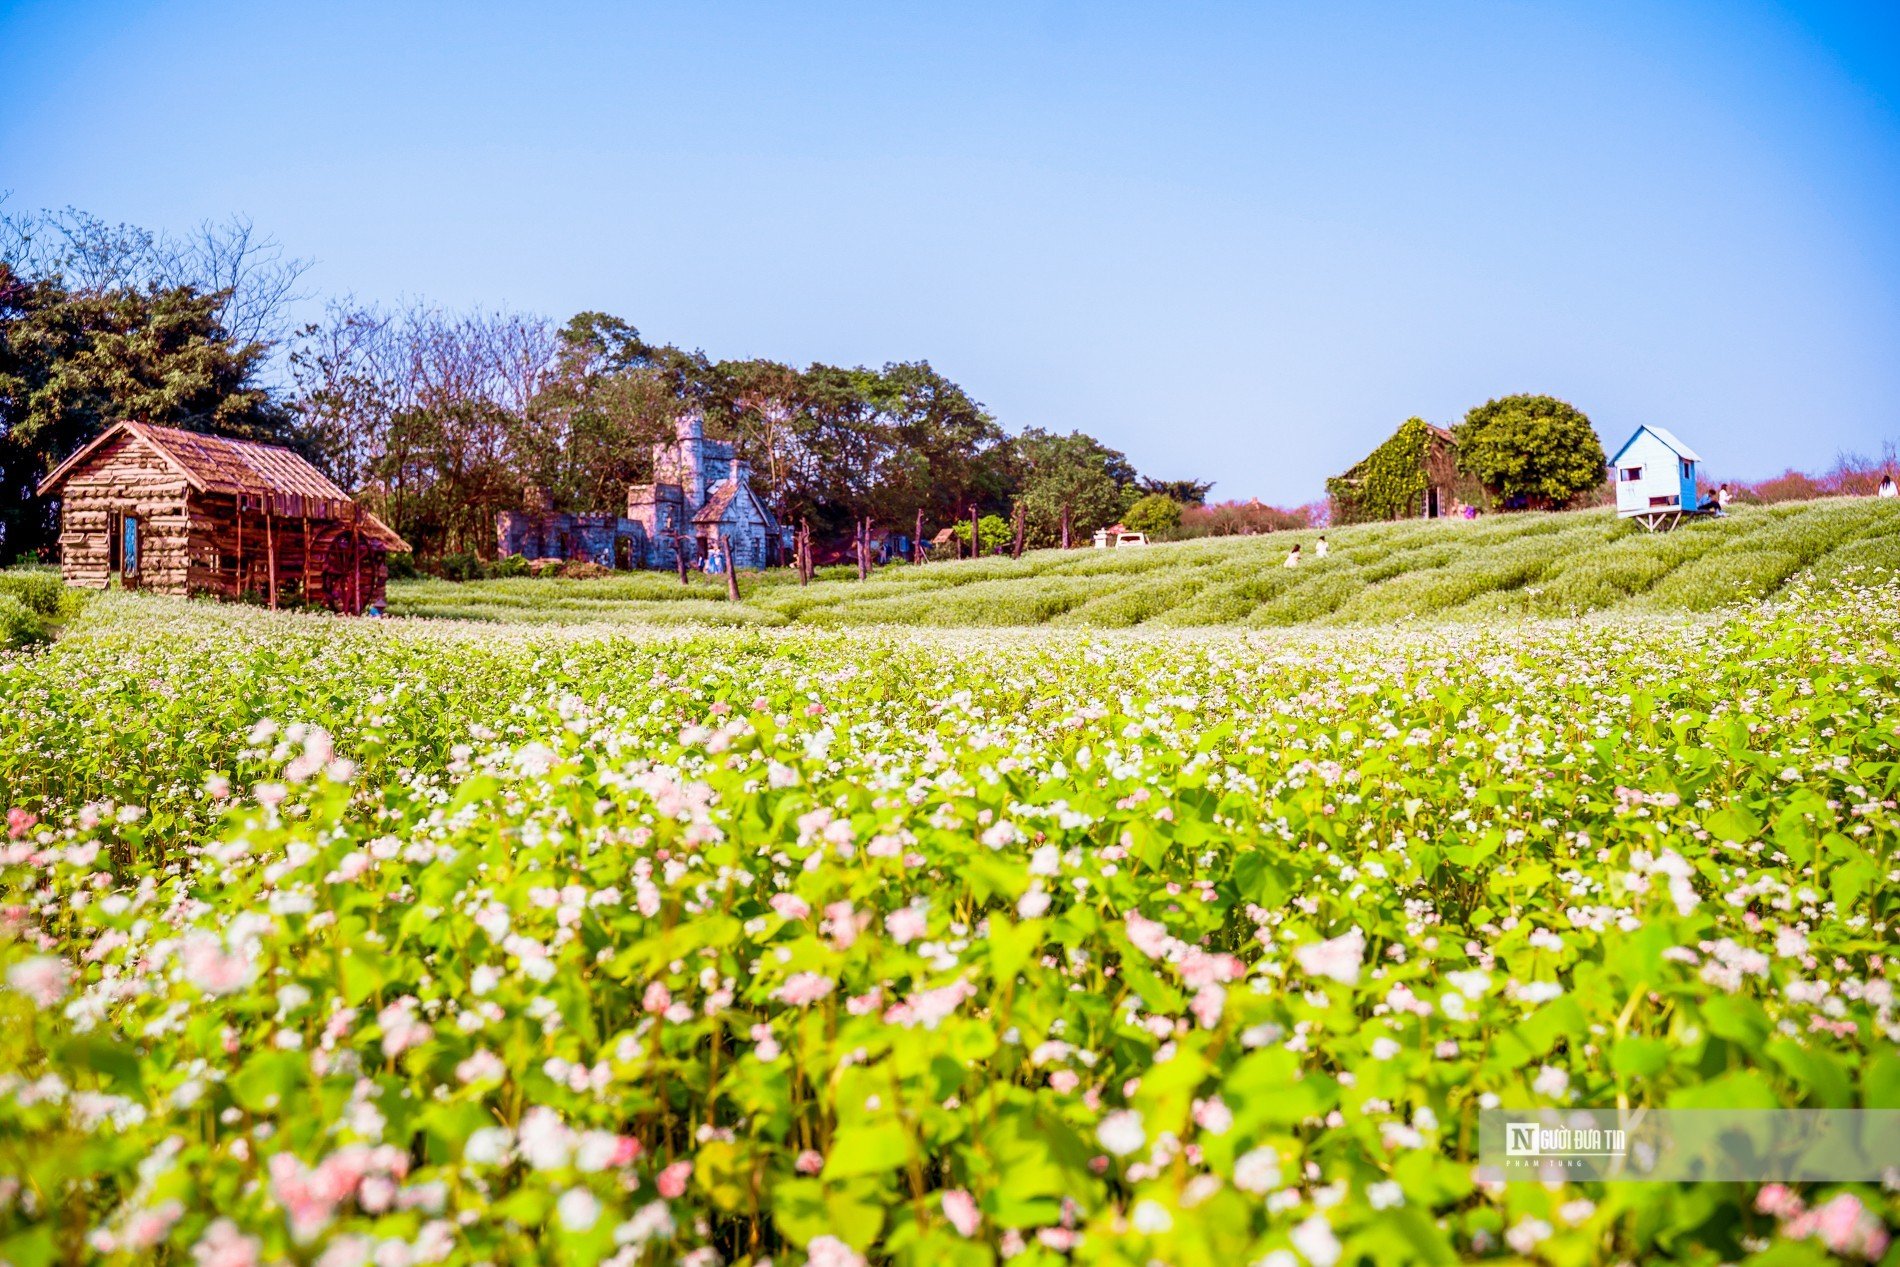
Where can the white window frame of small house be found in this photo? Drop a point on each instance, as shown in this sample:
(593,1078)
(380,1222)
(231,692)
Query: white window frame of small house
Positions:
(1629,474)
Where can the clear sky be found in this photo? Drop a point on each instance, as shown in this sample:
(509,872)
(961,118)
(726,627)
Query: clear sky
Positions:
(1240,242)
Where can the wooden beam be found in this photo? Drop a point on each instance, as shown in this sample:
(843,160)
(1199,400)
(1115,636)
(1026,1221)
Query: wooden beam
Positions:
(356,561)
(270,552)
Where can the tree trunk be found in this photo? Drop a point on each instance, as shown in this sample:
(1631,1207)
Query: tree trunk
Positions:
(270,552)
(976,538)
(917,541)
(679,556)
(1065,525)
(1016,551)
(864,549)
(732,569)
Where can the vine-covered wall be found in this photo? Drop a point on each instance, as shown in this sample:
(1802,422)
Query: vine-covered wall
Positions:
(1389,484)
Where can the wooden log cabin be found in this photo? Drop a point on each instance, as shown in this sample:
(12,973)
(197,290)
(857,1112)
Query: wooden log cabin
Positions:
(179,512)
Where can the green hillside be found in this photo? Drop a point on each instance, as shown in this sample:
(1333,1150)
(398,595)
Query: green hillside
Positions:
(1502,565)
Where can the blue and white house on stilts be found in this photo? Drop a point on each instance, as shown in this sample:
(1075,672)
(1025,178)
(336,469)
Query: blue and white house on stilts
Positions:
(1655,477)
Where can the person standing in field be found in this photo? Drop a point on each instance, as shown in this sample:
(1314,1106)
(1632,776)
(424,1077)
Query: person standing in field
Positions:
(1320,548)
(1292,557)
(1887,487)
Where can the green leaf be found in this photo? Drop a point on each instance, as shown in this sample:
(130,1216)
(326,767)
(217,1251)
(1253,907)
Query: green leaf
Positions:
(868,1148)
(1732,822)
(1636,1057)
(268,1080)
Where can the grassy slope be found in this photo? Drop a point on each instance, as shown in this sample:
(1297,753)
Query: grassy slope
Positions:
(1503,565)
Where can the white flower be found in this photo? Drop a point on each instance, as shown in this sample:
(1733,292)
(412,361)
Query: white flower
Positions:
(1526,1234)
(1151,1217)
(1257,1171)
(1314,1238)
(578,1209)
(488,1146)
(1552,1082)
(1384,1196)
(1121,1132)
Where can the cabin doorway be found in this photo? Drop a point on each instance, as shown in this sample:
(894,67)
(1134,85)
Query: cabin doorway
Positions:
(623,553)
(1431,502)
(122,548)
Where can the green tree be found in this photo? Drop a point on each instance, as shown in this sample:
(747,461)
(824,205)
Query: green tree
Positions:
(994,532)
(1157,512)
(1070,484)
(1186,492)
(72,364)
(1537,452)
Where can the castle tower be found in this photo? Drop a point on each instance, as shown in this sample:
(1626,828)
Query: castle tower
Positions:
(690,433)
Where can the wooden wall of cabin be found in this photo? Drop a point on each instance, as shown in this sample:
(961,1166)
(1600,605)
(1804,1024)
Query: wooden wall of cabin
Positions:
(124,479)
(234,553)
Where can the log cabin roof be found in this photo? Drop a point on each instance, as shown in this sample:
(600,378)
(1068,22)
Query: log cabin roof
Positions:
(238,468)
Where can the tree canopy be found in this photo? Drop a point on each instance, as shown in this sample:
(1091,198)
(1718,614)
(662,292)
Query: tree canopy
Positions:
(440,419)
(1537,452)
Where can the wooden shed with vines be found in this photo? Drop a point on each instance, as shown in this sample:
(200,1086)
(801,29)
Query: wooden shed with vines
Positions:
(1413,475)
(181,512)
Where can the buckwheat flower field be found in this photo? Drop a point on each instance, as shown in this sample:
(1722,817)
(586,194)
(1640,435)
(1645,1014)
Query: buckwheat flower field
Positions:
(332,943)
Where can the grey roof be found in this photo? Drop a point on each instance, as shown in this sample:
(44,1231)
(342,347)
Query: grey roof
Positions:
(1666,436)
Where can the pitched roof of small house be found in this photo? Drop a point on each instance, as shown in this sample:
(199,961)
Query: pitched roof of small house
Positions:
(220,464)
(1668,437)
(720,500)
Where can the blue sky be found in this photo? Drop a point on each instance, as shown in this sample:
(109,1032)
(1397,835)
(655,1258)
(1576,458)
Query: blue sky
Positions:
(1240,242)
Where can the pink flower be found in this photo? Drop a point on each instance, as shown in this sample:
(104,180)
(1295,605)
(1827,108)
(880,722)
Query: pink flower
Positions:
(19,822)
(929,1008)
(906,925)
(841,925)
(829,1251)
(1339,959)
(960,1208)
(626,1149)
(1848,1228)
(1207,1004)
(147,1228)
(223,1245)
(802,989)
(1779,1200)
(809,1162)
(211,969)
(1148,936)
(402,1027)
(1064,1081)
(790,906)
(657,998)
(672,1180)
(42,979)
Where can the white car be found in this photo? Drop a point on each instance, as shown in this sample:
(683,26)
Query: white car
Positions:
(1131,538)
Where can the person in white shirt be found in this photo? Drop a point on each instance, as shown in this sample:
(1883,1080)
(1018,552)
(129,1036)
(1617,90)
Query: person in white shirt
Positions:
(1887,488)
(1319,550)
(1292,557)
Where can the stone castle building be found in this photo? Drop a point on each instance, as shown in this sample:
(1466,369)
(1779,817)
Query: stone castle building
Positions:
(701,493)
